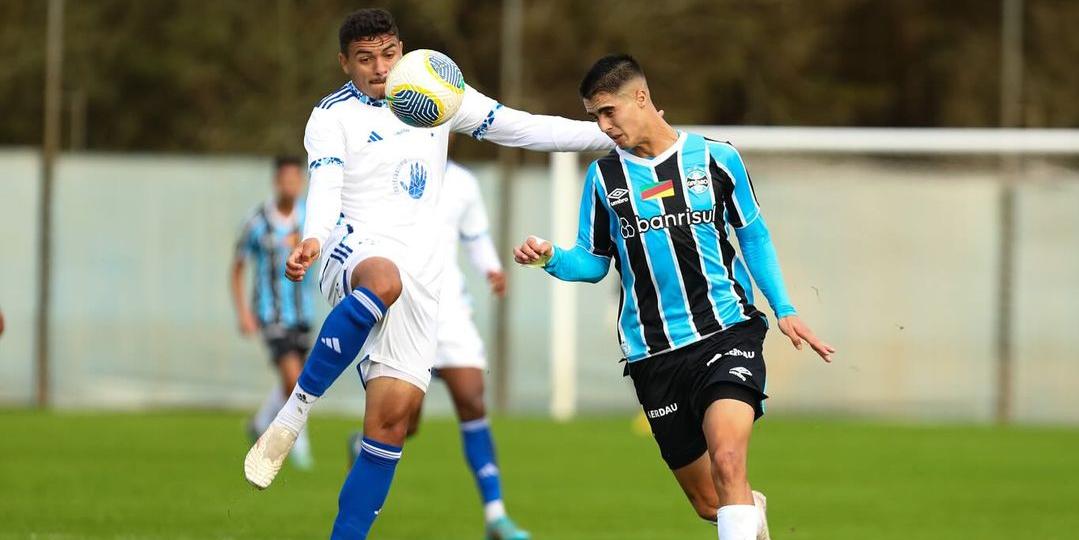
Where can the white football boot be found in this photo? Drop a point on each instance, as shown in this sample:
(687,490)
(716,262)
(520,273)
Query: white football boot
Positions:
(265,458)
(761,502)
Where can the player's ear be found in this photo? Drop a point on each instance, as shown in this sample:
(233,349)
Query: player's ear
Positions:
(642,97)
(344,62)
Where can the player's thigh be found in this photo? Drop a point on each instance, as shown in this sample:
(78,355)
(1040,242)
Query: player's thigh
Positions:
(696,482)
(466,389)
(728,424)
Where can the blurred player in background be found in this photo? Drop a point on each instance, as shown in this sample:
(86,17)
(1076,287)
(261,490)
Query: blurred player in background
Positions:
(660,205)
(459,358)
(371,209)
(279,309)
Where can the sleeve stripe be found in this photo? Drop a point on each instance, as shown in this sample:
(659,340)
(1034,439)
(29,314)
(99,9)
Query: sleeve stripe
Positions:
(326,161)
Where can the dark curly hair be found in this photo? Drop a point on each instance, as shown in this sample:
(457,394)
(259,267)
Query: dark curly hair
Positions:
(365,23)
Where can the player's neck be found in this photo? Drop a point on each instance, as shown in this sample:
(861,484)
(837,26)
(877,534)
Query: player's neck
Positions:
(285,207)
(657,140)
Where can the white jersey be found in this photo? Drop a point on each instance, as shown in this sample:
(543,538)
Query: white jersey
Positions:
(464,222)
(384,178)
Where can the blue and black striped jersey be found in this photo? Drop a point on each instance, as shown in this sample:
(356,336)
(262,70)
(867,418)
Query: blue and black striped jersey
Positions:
(666,222)
(267,239)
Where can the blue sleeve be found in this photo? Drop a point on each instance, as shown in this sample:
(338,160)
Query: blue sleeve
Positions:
(763,263)
(247,243)
(590,259)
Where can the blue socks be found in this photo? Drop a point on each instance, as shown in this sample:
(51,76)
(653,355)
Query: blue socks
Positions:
(480,452)
(365,490)
(343,334)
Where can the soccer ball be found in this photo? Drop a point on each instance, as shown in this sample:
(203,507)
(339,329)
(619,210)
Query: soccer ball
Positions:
(425,88)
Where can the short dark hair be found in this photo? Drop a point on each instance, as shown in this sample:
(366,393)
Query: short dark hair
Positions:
(365,23)
(609,73)
(280,162)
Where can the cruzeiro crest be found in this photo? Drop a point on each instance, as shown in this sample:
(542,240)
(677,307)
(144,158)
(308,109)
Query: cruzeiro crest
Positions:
(697,180)
(410,178)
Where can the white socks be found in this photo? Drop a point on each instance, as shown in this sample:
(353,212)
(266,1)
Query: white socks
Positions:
(294,414)
(273,403)
(738,522)
(494,510)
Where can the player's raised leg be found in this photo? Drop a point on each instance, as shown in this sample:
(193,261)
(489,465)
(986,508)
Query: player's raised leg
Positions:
(466,388)
(376,284)
(390,405)
(289,368)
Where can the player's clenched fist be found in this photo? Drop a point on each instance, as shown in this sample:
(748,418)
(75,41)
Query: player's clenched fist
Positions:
(301,258)
(534,251)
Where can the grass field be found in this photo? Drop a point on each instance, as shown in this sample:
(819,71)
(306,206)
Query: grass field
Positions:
(178,475)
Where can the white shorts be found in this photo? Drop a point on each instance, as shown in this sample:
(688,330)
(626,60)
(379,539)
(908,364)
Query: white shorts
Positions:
(402,344)
(459,343)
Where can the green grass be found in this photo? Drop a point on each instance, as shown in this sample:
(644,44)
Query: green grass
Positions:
(178,475)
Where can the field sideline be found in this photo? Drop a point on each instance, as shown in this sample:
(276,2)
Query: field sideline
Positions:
(177,475)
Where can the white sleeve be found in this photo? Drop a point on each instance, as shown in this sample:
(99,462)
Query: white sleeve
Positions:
(472,228)
(324,140)
(485,119)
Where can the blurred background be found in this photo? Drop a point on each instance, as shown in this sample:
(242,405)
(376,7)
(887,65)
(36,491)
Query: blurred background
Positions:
(929,229)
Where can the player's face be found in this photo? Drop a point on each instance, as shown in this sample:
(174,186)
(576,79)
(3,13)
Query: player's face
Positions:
(288,183)
(617,115)
(369,61)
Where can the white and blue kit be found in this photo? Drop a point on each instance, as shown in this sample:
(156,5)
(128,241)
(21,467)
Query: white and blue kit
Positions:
(464,225)
(386,179)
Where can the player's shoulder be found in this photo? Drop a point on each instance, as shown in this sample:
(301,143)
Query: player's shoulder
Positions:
(256,218)
(721,151)
(609,159)
(341,95)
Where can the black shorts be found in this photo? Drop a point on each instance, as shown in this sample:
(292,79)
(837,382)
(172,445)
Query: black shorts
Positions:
(675,388)
(283,340)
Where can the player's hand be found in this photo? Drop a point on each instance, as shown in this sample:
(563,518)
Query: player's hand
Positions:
(497,280)
(249,325)
(1,324)
(301,258)
(534,251)
(793,327)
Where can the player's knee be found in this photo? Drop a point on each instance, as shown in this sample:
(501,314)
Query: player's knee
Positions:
(729,465)
(471,407)
(707,513)
(706,507)
(413,429)
(381,277)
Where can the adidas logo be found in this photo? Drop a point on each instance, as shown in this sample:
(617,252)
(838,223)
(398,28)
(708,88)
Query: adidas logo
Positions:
(374,137)
(488,471)
(302,397)
(332,343)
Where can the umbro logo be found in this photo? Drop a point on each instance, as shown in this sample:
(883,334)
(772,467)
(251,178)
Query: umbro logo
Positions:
(740,372)
(332,343)
(618,196)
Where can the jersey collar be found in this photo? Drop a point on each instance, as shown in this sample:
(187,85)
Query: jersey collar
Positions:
(634,158)
(364,98)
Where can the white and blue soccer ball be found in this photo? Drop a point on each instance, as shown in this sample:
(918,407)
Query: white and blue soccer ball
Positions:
(425,88)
